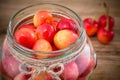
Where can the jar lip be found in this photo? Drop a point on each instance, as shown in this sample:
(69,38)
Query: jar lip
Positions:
(9,32)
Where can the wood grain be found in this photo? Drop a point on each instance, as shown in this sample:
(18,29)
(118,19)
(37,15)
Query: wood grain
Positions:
(108,67)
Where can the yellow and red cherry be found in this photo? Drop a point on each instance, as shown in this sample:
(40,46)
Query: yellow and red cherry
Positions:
(26,37)
(42,45)
(66,23)
(42,17)
(64,38)
(45,31)
(105,36)
(91,26)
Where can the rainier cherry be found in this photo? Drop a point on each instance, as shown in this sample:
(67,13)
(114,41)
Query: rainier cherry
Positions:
(42,17)
(64,38)
(91,26)
(42,45)
(105,33)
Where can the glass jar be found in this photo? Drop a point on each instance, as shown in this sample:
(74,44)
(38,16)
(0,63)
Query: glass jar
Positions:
(75,62)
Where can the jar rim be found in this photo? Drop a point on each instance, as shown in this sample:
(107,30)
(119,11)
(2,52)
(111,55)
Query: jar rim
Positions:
(16,44)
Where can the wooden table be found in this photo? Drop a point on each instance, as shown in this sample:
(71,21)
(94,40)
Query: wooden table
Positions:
(108,67)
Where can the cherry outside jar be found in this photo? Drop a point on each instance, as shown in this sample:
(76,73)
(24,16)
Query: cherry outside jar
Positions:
(75,62)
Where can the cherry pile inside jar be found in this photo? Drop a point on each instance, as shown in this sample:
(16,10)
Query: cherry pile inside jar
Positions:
(47,35)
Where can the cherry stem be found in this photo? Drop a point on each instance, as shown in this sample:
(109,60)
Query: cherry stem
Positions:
(107,15)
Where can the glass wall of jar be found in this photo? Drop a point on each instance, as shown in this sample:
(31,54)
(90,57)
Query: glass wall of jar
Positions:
(75,62)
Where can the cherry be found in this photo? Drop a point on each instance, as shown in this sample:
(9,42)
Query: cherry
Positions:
(64,38)
(83,62)
(89,68)
(103,20)
(10,66)
(70,71)
(106,19)
(46,31)
(91,26)
(26,37)
(65,23)
(41,17)
(42,45)
(105,34)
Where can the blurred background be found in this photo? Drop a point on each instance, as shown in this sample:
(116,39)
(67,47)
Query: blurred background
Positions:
(108,67)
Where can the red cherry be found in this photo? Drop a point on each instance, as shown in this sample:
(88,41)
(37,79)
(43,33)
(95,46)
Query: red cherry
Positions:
(105,36)
(26,37)
(103,21)
(91,26)
(30,26)
(106,20)
(65,23)
(46,31)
